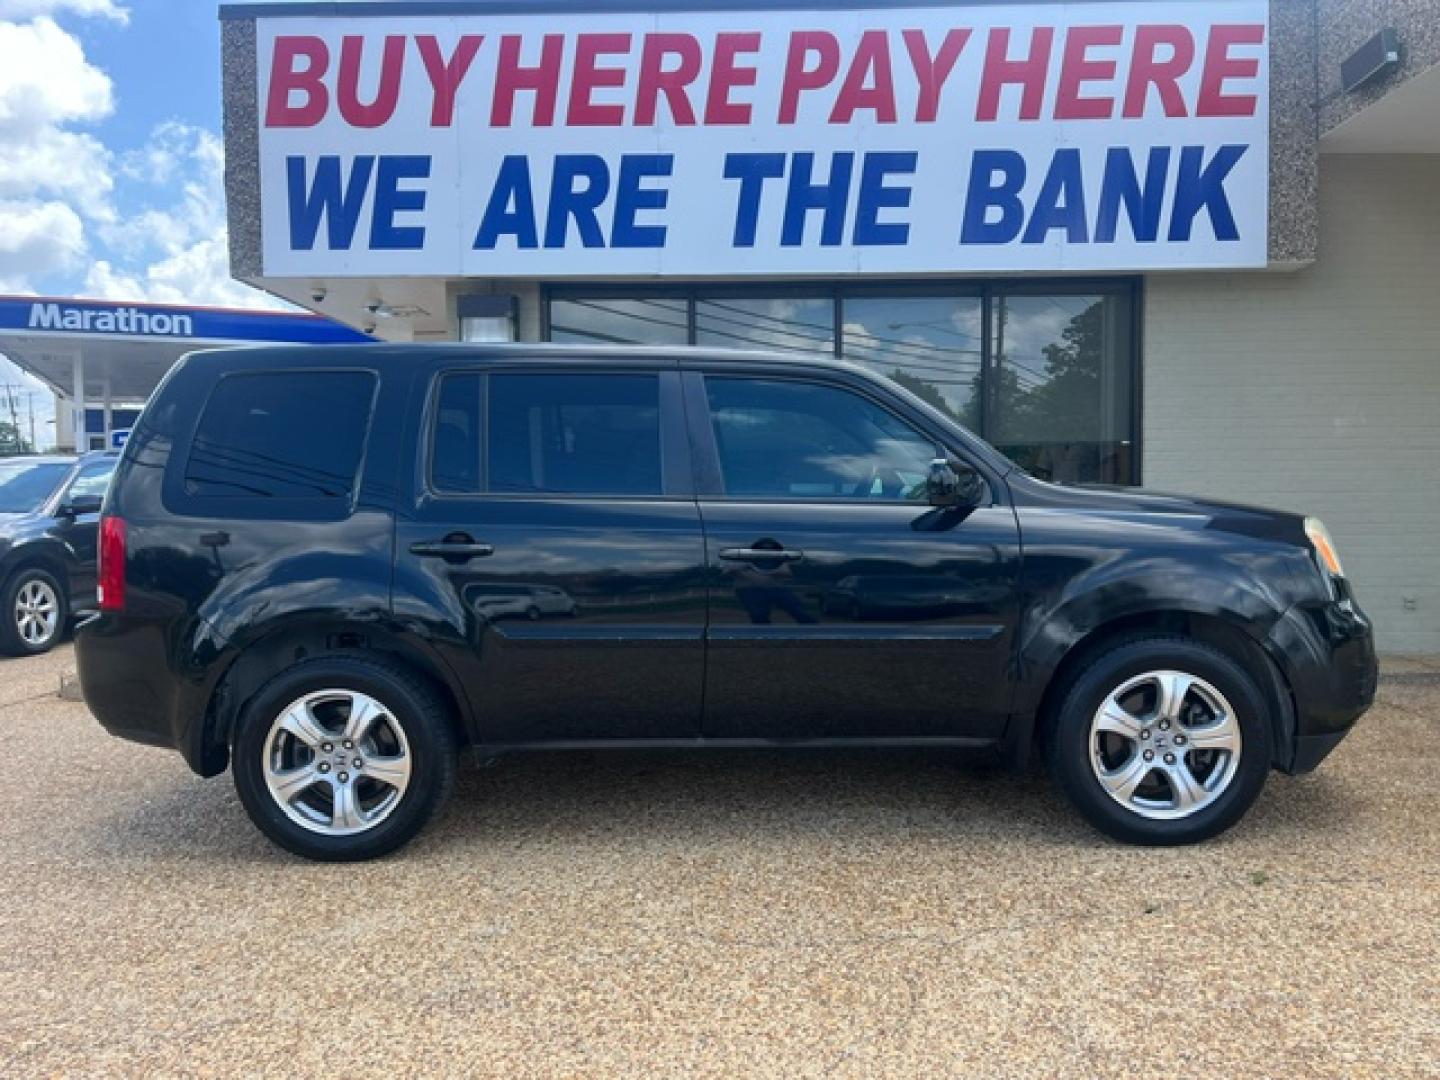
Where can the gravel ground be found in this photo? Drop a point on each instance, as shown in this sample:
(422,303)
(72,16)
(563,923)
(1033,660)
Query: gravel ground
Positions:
(796,914)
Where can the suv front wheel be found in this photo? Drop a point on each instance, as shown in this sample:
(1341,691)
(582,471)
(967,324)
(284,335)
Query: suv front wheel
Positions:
(1161,740)
(343,758)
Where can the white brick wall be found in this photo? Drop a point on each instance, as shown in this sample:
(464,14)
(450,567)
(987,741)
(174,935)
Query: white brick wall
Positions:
(1319,390)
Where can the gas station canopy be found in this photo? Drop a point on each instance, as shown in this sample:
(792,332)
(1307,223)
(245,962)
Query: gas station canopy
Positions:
(107,353)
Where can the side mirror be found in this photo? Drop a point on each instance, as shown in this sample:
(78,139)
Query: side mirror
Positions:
(82,504)
(951,483)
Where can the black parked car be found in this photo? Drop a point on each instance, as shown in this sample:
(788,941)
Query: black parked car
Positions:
(49,517)
(310,563)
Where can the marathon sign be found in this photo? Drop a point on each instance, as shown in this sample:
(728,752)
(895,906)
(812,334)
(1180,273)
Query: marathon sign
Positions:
(49,316)
(88,319)
(891,140)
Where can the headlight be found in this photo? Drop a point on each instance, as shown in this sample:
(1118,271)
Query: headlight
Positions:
(1324,547)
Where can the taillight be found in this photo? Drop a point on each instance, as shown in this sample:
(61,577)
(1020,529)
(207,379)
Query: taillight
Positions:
(111,590)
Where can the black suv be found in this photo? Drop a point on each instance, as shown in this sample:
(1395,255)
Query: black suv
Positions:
(49,517)
(329,568)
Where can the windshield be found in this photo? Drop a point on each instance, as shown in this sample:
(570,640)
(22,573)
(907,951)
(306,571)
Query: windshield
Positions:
(25,485)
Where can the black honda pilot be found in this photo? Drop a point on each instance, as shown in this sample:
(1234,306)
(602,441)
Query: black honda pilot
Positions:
(331,568)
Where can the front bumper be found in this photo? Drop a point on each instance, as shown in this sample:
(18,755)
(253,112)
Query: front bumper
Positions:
(1327,652)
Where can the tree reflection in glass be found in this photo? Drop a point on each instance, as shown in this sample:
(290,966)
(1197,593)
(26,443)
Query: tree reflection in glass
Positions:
(928,344)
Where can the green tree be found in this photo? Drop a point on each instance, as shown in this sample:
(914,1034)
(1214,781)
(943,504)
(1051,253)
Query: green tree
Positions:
(1070,396)
(11,441)
(930,393)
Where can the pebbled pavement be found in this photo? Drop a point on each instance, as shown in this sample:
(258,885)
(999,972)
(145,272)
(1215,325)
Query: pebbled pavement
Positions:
(813,914)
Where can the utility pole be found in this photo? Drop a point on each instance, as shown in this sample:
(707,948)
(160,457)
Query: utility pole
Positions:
(23,391)
(14,418)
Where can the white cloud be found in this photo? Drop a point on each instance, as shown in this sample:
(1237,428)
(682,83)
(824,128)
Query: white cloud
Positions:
(29,9)
(198,273)
(71,165)
(184,240)
(46,84)
(45,79)
(170,146)
(58,213)
(37,238)
(177,157)
(52,178)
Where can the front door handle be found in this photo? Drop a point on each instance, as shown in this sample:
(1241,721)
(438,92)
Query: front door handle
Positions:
(751,554)
(452,549)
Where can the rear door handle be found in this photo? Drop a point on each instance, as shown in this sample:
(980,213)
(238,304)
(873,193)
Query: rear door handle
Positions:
(752,554)
(451,549)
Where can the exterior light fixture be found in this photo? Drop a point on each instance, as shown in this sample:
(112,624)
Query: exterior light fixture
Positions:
(488,317)
(1378,56)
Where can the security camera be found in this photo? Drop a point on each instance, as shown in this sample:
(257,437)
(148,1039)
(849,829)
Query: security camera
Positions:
(373,306)
(318,293)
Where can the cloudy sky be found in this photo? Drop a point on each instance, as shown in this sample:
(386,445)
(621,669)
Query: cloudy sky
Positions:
(110,152)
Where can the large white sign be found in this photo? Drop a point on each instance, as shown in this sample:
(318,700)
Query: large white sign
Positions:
(984,138)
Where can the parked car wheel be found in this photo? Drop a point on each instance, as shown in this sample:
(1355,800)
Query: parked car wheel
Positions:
(1161,740)
(344,758)
(35,610)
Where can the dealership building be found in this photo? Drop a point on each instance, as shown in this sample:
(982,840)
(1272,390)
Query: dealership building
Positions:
(1188,245)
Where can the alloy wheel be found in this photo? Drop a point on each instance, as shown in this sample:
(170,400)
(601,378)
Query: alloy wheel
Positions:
(337,762)
(37,613)
(1165,744)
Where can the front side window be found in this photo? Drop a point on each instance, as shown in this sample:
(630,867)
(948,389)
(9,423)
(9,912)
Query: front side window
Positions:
(92,481)
(574,434)
(292,434)
(779,439)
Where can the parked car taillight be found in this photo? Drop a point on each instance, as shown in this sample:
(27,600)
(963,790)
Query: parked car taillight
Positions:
(111,590)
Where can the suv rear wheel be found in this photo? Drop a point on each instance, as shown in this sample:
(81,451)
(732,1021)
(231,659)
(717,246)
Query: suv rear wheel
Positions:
(1161,740)
(344,758)
(35,612)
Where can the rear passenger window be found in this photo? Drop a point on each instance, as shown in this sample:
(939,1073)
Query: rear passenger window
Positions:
(455,453)
(283,435)
(574,434)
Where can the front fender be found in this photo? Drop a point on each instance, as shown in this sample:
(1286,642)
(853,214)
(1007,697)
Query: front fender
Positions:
(1225,587)
(42,551)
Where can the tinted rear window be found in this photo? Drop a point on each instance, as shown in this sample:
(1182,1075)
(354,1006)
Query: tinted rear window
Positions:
(282,435)
(455,454)
(575,434)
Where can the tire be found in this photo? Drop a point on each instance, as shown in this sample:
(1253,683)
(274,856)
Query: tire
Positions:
(1204,791)
(35,612)
(379,809)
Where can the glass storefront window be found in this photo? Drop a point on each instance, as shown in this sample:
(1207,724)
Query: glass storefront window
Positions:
(1053,387)
(641,320)
(800,324)
(931,345)
(1061,385)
